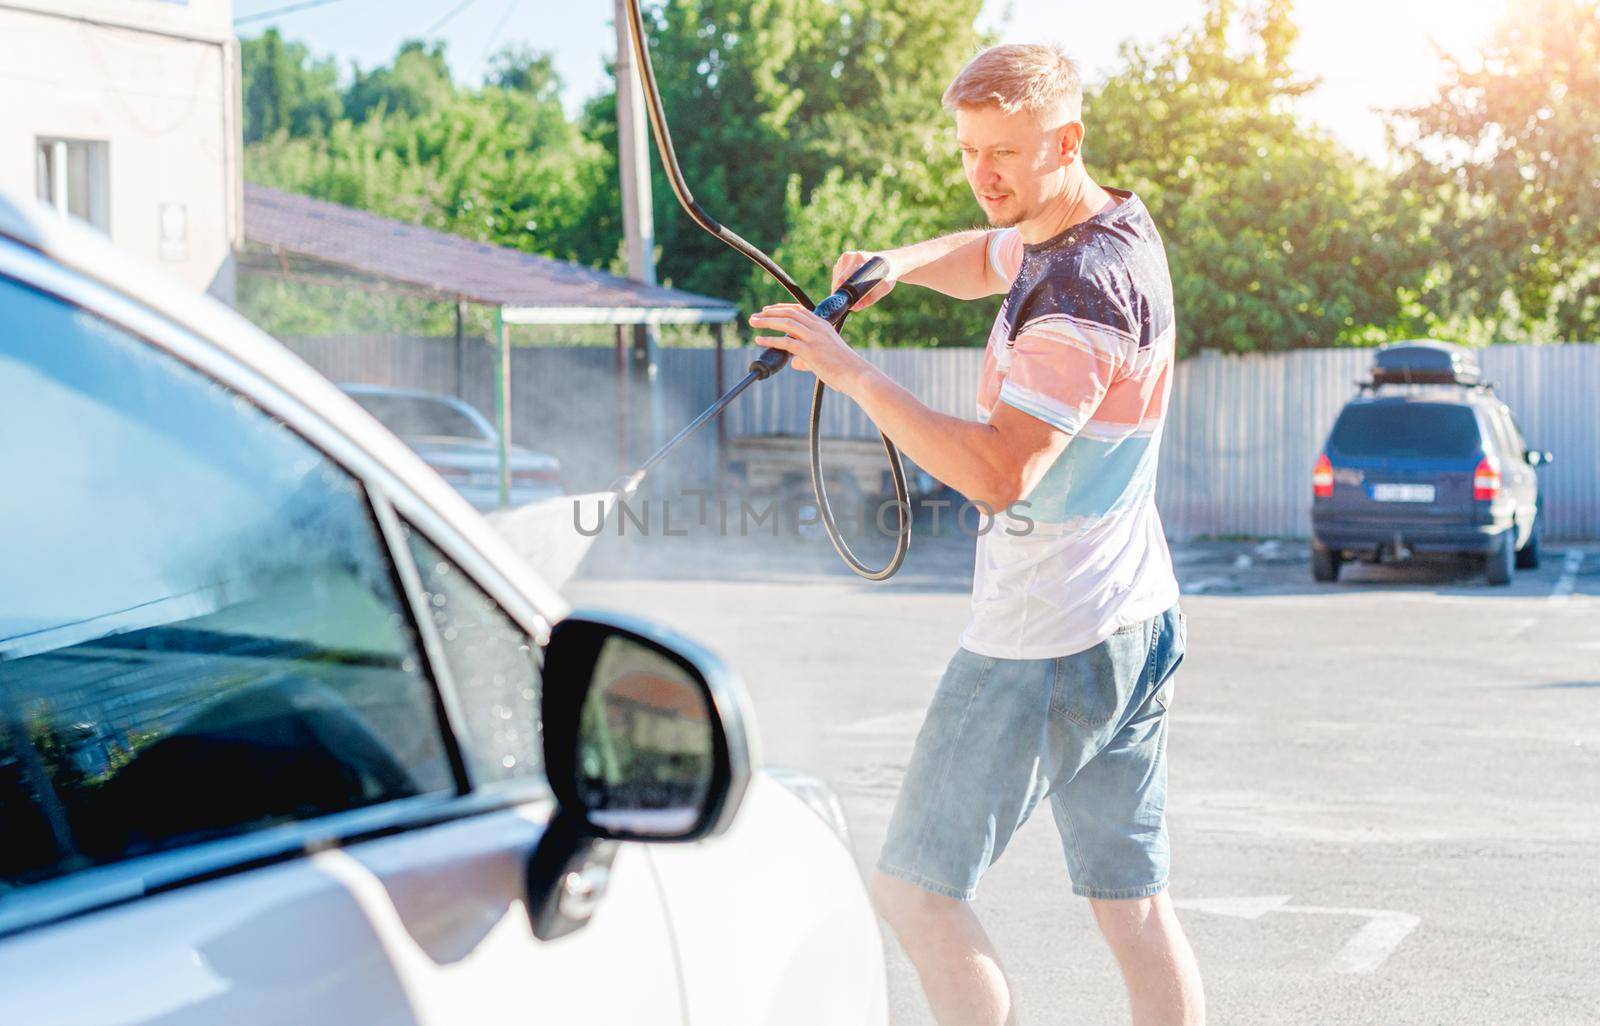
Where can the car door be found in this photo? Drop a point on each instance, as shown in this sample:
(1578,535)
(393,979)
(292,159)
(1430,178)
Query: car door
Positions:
(242,780)
(1516,476)
(1528,495)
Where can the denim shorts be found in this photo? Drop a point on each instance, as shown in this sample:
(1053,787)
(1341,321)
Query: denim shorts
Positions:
(1088,731)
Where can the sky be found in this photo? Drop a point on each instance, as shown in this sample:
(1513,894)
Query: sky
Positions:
(1367,53)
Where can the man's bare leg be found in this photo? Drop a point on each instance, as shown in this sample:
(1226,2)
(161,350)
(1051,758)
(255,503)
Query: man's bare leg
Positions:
(955,960)
(1157,963)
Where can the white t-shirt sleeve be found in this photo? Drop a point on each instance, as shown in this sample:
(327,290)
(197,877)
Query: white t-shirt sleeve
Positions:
(1004,250)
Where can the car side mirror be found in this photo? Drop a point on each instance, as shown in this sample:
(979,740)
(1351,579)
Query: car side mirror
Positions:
(646,738)
(1538,458)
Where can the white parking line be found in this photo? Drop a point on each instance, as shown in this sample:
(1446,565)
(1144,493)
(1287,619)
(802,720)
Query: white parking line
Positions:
(1377,939)
(1373,943)
(1562,592)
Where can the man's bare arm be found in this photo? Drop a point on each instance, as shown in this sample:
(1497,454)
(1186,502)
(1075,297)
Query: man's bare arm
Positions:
(956,265)
(996,463)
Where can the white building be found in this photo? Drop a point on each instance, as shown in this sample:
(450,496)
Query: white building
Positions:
(126,113)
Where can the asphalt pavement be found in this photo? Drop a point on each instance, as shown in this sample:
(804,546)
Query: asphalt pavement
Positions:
(1385,792)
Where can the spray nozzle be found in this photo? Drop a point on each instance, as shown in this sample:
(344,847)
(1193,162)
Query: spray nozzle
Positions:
(626,486)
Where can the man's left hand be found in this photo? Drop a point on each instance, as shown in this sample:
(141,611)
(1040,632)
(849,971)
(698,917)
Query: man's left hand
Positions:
(812,344)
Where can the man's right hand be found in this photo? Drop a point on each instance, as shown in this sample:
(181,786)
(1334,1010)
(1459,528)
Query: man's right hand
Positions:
(850,262)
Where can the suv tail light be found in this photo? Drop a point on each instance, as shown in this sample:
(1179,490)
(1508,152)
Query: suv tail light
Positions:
(1322,478)
(1486,480)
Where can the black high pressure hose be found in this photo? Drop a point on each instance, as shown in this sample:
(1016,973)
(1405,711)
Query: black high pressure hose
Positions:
(834,309)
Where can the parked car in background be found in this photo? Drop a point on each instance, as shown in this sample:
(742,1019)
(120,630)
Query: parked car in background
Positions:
(288,734)
(460,444)
(1427,458)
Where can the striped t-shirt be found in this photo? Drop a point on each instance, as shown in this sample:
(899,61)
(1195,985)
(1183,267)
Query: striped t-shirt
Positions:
(1084,342)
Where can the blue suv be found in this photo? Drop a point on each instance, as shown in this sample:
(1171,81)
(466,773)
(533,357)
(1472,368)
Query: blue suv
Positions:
(1427,458)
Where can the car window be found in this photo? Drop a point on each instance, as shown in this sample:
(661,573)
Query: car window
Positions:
(1514,437)
(419,417)
(1406,429)
(494,667)
(1501,427)
(200,633)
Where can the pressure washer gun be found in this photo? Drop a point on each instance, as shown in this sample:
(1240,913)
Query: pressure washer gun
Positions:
(834,310)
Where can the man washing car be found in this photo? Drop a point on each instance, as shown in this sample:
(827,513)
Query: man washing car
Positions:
(1063,676)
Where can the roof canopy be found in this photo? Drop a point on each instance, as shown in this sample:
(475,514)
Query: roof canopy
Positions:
(338,240)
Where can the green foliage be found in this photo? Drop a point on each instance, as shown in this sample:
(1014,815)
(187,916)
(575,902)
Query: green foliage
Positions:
(417,83)
(500,164)
(759,94)
(285,89)
(814,126)
(1508,148)
(1277,237)
(830,221)
(472,166)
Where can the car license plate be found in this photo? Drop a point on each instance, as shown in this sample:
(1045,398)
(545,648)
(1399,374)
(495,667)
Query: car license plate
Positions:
(1402,492)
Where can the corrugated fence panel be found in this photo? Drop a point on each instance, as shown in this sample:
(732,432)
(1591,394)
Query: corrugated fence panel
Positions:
(405,361)
(1241,436)
(1554,391)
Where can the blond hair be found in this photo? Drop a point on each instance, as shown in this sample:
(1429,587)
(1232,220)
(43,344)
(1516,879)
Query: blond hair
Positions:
(1032,77)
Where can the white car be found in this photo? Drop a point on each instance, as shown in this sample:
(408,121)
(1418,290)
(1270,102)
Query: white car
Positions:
(288,734)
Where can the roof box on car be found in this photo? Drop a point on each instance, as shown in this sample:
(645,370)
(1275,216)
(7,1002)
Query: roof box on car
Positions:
(1425,363)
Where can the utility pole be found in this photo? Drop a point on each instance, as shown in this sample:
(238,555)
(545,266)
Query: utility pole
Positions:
(638,220)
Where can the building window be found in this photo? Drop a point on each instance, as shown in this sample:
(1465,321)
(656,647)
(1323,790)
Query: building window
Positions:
(74,177)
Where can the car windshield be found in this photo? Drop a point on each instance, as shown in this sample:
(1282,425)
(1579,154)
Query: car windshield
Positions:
(1406,429)
(418,417)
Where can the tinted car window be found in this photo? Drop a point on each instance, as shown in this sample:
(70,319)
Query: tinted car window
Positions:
(493,665)
(415,417)
(1406,429)
(199,633)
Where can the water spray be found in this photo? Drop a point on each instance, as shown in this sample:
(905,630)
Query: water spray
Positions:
(833,309)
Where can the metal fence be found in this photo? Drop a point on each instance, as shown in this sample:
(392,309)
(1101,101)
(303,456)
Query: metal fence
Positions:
(1241,437)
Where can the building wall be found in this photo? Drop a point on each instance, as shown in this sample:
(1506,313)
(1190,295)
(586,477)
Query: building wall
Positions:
(157,82)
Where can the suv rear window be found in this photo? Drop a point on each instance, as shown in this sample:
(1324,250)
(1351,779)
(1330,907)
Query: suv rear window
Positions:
(1406,429)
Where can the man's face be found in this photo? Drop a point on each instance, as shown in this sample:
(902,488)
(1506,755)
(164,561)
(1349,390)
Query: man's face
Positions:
(1015,165)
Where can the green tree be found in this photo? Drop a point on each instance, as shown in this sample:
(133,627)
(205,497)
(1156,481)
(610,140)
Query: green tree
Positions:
(470,167)
(1509,147)
(758,93)
(828,221)
(417,82)
(285,89)
(501,164)
(1276,235)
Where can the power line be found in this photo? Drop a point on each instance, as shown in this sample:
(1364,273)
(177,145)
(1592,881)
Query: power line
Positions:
(442,22)
(286,9)
(494,36)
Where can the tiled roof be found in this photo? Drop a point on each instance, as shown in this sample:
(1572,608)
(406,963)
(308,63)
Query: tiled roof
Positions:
(381,247)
